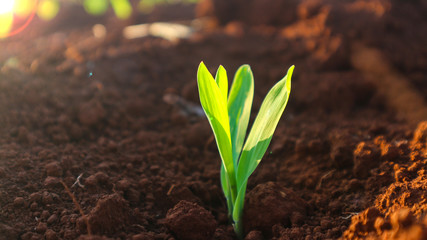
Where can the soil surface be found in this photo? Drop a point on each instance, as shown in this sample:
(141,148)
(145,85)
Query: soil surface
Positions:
(101,136)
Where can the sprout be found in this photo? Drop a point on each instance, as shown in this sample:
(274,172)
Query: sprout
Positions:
(228,114)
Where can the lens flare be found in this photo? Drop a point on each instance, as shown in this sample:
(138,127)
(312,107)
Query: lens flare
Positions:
(6,6)
(122,8)
(6,16)
(24,8)
(47,9)
(17,17)
(6,21)
(96,7)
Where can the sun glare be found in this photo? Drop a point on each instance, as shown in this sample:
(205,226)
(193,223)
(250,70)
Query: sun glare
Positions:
(6,6)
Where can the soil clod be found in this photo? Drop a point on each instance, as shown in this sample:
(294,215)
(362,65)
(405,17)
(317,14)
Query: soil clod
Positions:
(110,214)
(190,221)
(268,204)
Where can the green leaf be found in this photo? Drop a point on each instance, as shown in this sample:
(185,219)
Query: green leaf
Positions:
(215,108)
(226,189)
(239,108)
(263,128)
(238,205)
(222,81)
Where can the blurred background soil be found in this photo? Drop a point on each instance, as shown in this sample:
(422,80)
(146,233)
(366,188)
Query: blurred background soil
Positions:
(101,135)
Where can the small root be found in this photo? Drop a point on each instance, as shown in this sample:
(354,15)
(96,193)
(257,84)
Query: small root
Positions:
(89,231)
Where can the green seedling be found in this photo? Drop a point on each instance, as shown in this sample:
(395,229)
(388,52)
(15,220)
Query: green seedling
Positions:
(228,114)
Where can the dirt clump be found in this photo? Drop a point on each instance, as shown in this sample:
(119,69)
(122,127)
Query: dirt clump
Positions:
(400,225)
(110,214)
(365,158)
(362,224)
(268,204)
(190,221)
(341,152)
(399,212)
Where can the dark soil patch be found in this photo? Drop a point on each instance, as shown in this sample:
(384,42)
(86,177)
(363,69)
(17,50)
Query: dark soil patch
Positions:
(348,159)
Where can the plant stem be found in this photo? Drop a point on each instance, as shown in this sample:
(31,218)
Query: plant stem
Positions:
(238,229)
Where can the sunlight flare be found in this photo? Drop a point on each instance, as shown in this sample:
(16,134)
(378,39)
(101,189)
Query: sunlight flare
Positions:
(6,6)
(6,16)
(24,8)
(6,21)
(48,9)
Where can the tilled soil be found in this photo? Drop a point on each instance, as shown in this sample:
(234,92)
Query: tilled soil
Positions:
(100,137)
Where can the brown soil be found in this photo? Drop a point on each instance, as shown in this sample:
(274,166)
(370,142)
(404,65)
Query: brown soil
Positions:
(92,148)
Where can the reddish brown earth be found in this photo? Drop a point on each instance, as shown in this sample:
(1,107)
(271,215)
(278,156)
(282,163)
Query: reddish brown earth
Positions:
(348,159)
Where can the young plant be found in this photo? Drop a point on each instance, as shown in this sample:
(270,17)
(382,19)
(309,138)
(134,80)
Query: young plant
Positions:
(228,114)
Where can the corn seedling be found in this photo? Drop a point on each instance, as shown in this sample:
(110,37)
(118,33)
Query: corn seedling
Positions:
(228,114)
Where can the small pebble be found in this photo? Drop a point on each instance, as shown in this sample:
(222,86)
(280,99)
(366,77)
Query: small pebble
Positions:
(41,227)
(47,198)
(45,214)
(254,235)
(53,169)
(34,206)
(52,219)
(35,197)
(52,182)
(123,184)
(50,235)
(19,202)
